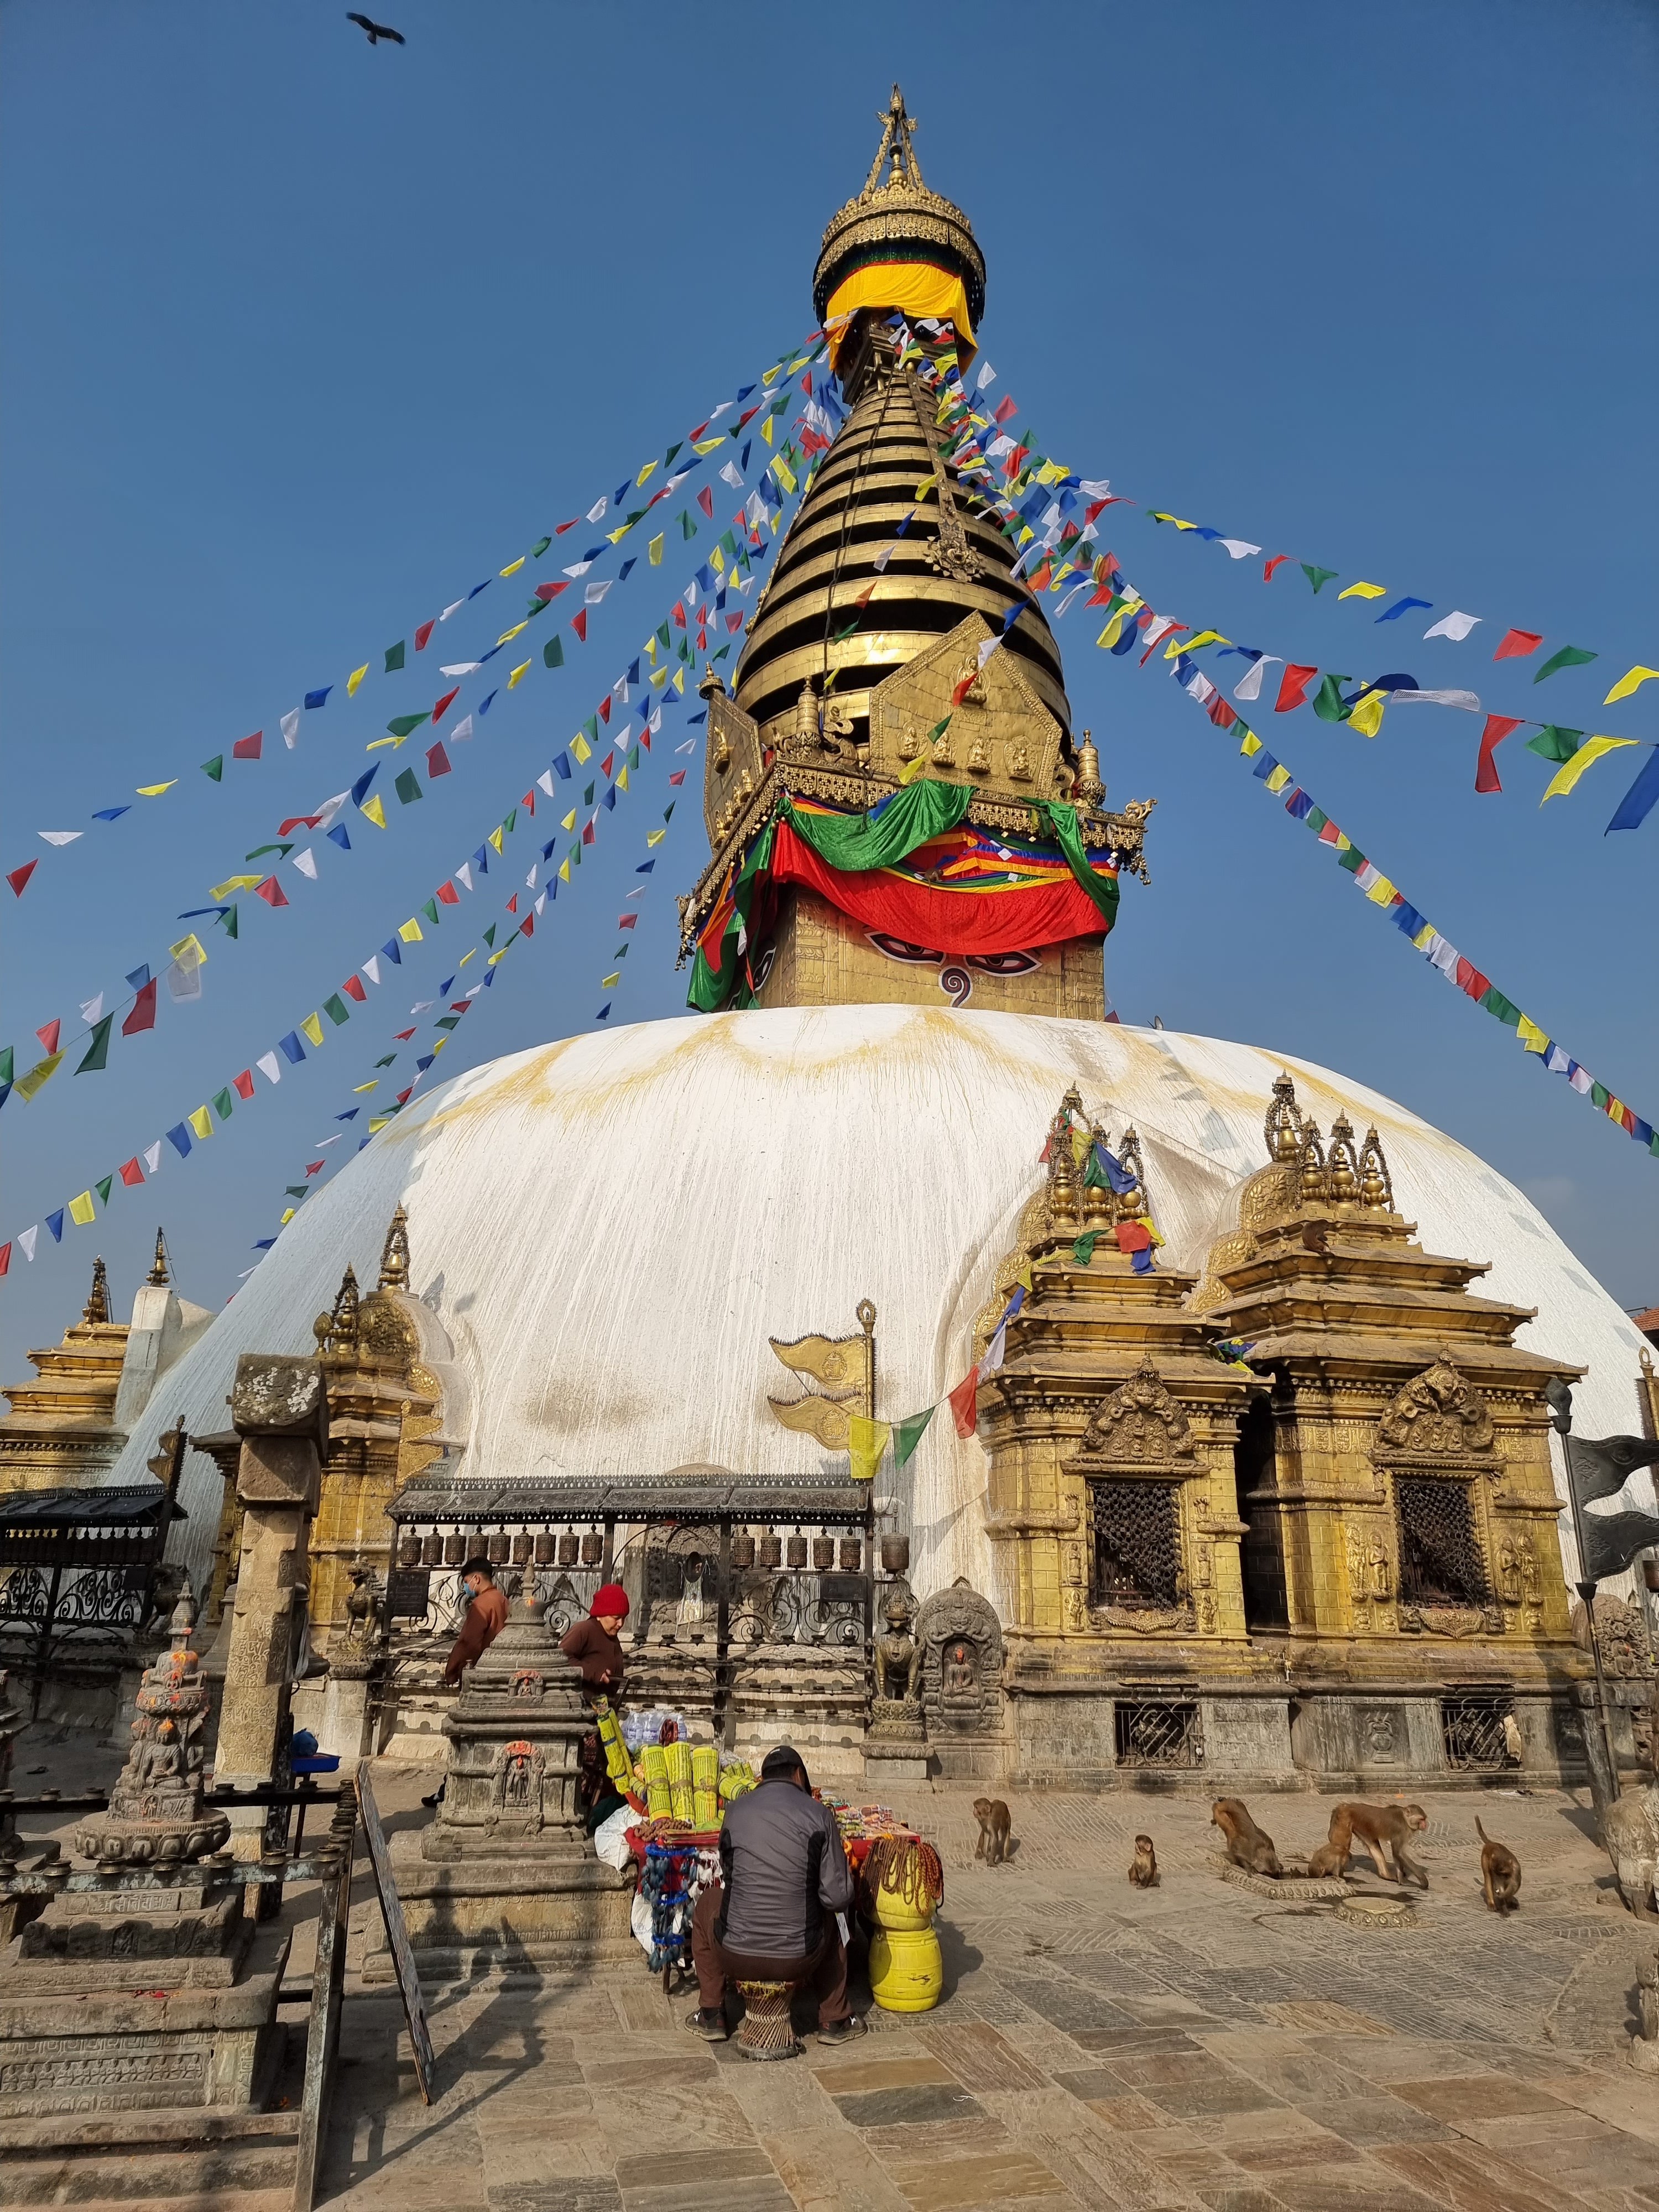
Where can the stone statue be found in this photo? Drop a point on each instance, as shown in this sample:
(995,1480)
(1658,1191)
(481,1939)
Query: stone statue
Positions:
(690,1614)
(957,1678)
(156,1813)
(363,1606)
(898,1655)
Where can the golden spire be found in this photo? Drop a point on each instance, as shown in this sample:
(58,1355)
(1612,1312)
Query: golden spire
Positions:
(1376,1184)
(896,128)
(337,1331)
(1283,1127)
(1089,788)
(1342,1167)
(394,1254)
(158,1274)
(96,1308)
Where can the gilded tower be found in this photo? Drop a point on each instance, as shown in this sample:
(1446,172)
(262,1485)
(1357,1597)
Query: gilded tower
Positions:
(897,805)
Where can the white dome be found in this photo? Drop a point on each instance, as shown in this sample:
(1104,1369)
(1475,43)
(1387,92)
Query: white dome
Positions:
(609,1229)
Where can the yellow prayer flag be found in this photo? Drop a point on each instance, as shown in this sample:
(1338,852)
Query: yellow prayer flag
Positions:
(708,445)
(1204,637)
(355,679)
(564,871)
(190,948)
(233,883)
(1363,591)
(609,982)
(373,811)
(1633,681)
(766,429)
(653,550)
(616,536)
(1568,774)
(501,955)
(1424,936)
(1278,778)
(410,931)
(1532,1037)
(622,779)
(570,821)
(312,1027)
(496,837)
(1051,472)
(517,674)
(1344,844)
(155,790)
(1251,744)
(1024,1277)
(367,1086)
(1383,892)
(81,1209)
(679,682)
(866,1440)
(289,1212)
(911,769)
(375,744)
(651,648)
(508,635)
(464,957)
(656,836)
(439,1046)
(1367,716)
(202,1122)
(644,473)
(658,677)
(717,561)
(784,473)
(513,567)
(580,746)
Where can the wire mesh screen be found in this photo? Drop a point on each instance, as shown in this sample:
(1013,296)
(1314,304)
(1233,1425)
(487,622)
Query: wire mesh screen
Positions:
(1472,1728)
(1157,1733)
(1137,1542)
(1440,1561)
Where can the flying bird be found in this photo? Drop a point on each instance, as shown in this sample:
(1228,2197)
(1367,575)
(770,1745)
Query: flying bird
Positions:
(375,31)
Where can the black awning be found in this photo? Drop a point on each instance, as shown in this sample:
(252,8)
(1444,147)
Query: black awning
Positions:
(130,1505)
(444,1502)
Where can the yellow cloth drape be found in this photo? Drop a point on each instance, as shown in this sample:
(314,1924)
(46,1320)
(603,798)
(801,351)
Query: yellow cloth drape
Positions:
(913,289)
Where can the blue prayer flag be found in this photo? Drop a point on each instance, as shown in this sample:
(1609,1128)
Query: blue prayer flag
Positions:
(291,1047)
(316,698)
(178,1138)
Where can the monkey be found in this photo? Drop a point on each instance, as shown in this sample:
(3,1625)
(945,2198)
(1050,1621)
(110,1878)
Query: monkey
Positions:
(1500,1873)
(1143,1867)
(992,1817)
(1248,1846)
(1331,1858)
(1384,1829)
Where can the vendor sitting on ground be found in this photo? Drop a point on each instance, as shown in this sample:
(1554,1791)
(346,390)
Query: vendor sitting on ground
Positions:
(595,1644)
(771,1916)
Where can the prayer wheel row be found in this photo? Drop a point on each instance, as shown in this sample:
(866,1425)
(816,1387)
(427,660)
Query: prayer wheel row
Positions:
(545,1551)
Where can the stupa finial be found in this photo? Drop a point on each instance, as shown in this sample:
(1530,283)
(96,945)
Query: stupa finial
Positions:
(96,1308)
(897,125)
(1283,1123)
(158,1274)
(337,1331)
(394,1254)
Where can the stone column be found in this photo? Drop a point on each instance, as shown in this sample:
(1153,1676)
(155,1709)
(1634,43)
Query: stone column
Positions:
(279,1410)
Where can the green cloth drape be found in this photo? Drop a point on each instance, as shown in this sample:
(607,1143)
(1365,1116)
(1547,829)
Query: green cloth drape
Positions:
(1062,819)
(855,842)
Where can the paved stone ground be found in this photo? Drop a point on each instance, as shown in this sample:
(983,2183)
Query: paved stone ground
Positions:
(1192,2046)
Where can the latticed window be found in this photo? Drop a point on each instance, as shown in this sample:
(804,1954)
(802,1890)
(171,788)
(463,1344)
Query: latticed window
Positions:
(1158,1732)
(1472,1728)
(1440,1561)
(1137,1543)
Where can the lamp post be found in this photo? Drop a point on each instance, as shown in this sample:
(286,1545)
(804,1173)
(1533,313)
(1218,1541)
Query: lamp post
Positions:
(1560,1395)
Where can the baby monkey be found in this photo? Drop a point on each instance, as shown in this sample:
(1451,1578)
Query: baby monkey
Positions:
(992,1817)
(1143,1867)
(1500,1873)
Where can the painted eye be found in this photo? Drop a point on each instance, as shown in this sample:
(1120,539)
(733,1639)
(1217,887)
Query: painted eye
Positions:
(896,948)
(1004,963)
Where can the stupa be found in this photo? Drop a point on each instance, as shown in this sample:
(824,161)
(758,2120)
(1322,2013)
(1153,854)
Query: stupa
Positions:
(1274,1495)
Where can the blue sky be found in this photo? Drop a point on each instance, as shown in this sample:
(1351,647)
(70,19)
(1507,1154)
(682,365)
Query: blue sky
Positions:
(305,337)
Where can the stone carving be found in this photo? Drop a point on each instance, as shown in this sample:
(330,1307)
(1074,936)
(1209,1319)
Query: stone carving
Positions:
(1382,1732)
(898,1655)
(1437,1415)
(1629,1832)
(960,1640)
(516,1784)
(1140,1424)
(1619,1632)
(365,1607)
(156,1813)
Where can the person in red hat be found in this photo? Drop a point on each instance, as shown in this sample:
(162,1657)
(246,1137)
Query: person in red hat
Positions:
(595,1644)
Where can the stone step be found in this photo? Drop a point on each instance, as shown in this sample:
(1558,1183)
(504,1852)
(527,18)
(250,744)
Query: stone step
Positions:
(194,2159)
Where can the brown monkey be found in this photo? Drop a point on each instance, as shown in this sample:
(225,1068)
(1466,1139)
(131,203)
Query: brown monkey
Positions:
(1143,1867)
(1500,1873)
(1384,1829)
(992,1817)
(1332,1857)
(1247,1846)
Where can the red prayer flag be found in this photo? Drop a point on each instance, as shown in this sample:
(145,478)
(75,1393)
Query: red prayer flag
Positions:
(270,891)
(560,528)
(448,700)
(403,1096)
(316,1168)
(964,1404)
(422,631)
(1133,1236)
(627,921)
(248,748)
(607,763)
(1221,713)
(512,903)
(529,929)
(18,878)
(578,623)
(143,1016)
(1278,562)
(706,500)
(679,614)
(1516,644)
(677,778)
(1007,408)
(437,761)
(547,591)
(528,802)
(604,713)
(587,830)
(243,1083)
(5,1258)
(1486,768)
(1470,981)
(298,821)
(1294,687)
(1329,834)
(402,1036)
(48,1036)
(132,1174)
(448,894)
(353,988)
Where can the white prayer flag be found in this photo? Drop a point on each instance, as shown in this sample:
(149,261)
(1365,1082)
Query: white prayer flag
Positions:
(994,1351)
(291,726)
(330,808)
(453,608)
(1238,547)
(270,1067)
(1581,1079)
(26,1239)
(1465,700)
(535,870)
(461,667)
(1249,685)
(596,513)
(306,862)
(462,731)
(372,968)
(541,901)
(1556,1061)
(1455,627)
(545,781)
(986,377)
(732,474)
(153,1156)
(62,836)
(92,1009)
(690,745)
(1096,487)
(185,981)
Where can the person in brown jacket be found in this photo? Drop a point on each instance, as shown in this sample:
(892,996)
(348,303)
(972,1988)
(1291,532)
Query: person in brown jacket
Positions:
(484,1619)
(595,1644)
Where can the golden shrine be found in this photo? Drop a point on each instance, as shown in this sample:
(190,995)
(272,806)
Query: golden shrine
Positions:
(61,1429)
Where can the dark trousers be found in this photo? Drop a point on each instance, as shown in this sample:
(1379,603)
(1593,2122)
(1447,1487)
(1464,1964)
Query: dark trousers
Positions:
(823,1974)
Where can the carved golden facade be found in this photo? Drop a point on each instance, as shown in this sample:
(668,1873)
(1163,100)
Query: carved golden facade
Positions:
(383,1408)
(61,1428)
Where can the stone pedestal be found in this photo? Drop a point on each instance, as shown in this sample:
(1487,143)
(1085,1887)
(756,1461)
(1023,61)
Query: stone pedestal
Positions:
(505,1877)
(347,1708)
(896,1747)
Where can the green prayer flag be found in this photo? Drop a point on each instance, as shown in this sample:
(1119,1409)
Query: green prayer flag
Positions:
(1600,1096)
(402,724)
(662,636)
(97,1055)
(215,768)
(394,656)
(228,918)
(1555,743)
(668,810)
(489,935)
(908,1434)
(621,953)
(635,514)
(1315,819)
(407,786)
(588,794)
(507,825)
(842,636)
(722,654)
(1327,704)
(104,1185)
(574,855)
(335,1007)
(1506,1009)
(729,546)
(634,757)
(222,1104)
(298,1190)
(430,910)
(1571,656)
(687,528)
(591,729)
(387,1061)
(1084,1250)
(673,450)
(539,548)
(1316,576)
(5,1064)
(448,1022)
(1353,860)
(1062,819)
(553,652)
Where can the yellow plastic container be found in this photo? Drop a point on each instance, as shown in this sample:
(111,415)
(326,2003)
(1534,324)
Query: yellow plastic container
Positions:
(907,1973)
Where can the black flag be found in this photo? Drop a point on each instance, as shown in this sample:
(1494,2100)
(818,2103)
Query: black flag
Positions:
(1599,1468)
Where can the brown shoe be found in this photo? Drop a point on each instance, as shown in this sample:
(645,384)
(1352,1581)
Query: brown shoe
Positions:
(843,2031)
(711,2025)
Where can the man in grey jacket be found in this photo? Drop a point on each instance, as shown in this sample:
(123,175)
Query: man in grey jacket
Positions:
(772,1916)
